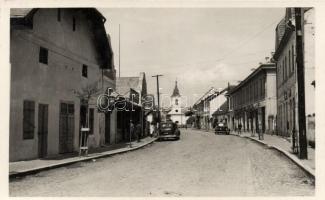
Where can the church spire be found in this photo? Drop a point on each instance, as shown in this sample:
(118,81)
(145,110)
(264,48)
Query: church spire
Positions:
(176,91)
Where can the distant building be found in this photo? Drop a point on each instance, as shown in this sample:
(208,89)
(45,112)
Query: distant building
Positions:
(220,107)
(285,57)
(252,103)
(177,111)
(132,89)
(202,110)
(57,56)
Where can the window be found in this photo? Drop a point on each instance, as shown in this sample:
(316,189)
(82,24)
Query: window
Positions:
(176,110)
(66,109)
(59,14)
(255,90)
(263,87)
(73,24)
(283,72)
(28,119)
(289,59)
(85,71)
(258,88)
(43,55)
(250,92)
(292,58)
(285,67)
(279,74)
(176,101)
(91,120)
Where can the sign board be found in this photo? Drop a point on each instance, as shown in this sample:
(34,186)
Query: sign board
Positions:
(85,129)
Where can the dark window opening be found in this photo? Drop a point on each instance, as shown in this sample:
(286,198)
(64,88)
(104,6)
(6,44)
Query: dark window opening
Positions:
(70,109)
(85,71)
(67,109)
(73,24)
(176,110)
(43,55)
(289,62)
(59,14)
(176,101)
(28,119)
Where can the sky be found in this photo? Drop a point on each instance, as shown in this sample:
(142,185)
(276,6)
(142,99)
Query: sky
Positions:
(199,47)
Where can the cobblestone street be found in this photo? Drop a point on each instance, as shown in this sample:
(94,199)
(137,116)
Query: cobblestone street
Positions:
(199,164)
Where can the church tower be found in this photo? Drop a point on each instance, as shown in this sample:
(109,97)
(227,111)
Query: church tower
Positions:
(176,113)
(176,101)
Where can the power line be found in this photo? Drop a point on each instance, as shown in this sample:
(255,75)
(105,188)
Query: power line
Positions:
(249,39)
(236,48)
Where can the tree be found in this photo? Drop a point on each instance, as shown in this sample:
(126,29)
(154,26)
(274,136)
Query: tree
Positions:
(86,94)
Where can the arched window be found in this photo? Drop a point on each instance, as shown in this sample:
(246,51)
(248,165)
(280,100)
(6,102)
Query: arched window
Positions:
(176,101)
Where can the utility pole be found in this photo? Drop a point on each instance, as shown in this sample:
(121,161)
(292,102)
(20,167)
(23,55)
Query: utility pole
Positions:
(119,50)
(158,99)
(301,83)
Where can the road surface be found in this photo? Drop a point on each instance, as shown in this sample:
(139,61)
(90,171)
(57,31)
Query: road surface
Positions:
(199,164)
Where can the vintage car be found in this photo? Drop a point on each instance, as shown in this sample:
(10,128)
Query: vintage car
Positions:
(221,128)
(169,130)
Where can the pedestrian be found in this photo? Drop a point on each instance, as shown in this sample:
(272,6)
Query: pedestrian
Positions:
(138,131)
(239,128)
(152,129)
(131,129)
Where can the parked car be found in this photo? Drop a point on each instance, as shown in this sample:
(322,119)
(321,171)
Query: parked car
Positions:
(222,128)
(169,130)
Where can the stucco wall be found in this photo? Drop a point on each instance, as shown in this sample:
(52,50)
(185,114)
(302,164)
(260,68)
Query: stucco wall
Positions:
(270,99)
(216,103)
(309,43)
(180,118)
(289,88)
(53,83)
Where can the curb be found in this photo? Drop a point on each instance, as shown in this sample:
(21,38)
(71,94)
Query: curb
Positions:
(293,158)
(84,159)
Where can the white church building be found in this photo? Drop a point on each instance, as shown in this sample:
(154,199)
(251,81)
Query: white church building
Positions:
(176,113)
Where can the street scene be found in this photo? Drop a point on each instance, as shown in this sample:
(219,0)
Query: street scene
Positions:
(172,102)
(199,164)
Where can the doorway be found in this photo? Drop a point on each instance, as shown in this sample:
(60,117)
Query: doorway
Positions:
(66,128)
(263,119)
(107,128)
(42,130)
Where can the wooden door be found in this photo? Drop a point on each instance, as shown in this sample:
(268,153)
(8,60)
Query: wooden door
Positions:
(66,128)
(42,130)
(107,128)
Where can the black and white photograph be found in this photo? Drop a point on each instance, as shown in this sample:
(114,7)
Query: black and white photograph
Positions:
(162,101)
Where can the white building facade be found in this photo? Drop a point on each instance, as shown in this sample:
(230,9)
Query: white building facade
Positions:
(176,113)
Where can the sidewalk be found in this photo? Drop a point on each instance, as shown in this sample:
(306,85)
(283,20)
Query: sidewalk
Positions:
(284,146)
(22,168)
